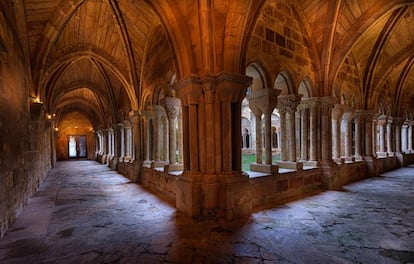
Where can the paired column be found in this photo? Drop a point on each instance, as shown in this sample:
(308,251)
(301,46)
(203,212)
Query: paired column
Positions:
(172,106)
(410,136)
(287,105)
(382,122)
(404,138)
(304,132)
(358,132)
(262,104)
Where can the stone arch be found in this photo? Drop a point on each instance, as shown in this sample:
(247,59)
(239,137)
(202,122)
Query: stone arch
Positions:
(305,89)
(258,74)
(284,83)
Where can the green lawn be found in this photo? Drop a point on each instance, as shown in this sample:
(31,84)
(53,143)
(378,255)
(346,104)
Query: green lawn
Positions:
(251,158)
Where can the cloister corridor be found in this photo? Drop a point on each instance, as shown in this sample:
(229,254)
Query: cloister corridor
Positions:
(86,213)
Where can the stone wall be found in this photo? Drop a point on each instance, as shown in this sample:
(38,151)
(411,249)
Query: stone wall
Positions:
(25,135)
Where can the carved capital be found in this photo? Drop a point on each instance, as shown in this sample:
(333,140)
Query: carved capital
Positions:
(288,103)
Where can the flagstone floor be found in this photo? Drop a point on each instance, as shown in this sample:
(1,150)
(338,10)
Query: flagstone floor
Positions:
(86,213)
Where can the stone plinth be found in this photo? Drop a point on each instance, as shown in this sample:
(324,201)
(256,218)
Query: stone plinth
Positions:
(290,165)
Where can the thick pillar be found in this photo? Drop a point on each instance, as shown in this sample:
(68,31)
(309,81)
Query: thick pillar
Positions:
(212,184)
(284,149)
(374,135)
(259,147)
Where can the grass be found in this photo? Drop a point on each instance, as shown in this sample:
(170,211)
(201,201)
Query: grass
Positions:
(247,159)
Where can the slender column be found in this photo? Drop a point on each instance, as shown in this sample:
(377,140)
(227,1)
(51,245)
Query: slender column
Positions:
(284,154)
(374,135)
(304,134)
(410,137)
(337,113)
(268,137)
(358,120)
(313,132)
(298,134)
(165,142)
(136,118)
(172,105)
(347,126)
(404,137)
(180,137)
(259,148)
(389,137)
(288,104)
(398,138)
(381,128)
(290,119)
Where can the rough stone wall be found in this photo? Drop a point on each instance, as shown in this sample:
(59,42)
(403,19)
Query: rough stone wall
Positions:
(25,139)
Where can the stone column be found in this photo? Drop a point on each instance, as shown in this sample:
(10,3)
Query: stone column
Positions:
(382,121)
(180,137)
(284,151)
(347,128)
(288,104)
(374,135)
(404,138)
(390,149)
(304,132)
(259,147)
(158,144)
(147,116)
(358,121)
(314,128)
(337,113)
(268,137)
(172,106)
(327,104)
(410,137)
(136,138)
(212,184)
(262,103)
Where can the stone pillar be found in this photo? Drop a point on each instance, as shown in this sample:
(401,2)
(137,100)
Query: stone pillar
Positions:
(374,135)
(314,108)
(284,151)
(410,137)
(287,104)
(337,113)
(359,130)
(382,121)
(347,128)
(262,103)
(304,132)
(366,117)
(172,106)
(147,116)
(390,149)
(158,133)
(212,184)
(404,138)
(136,118)
(180,137)
(327,104)
(259,147)
(268,137)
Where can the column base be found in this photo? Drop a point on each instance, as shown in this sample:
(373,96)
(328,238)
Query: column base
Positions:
(265,168)
(311,163)
(214,196)
(173,167)
(293,165)
(339,160)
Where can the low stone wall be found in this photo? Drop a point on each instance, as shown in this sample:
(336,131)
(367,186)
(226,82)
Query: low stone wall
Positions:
(158,180)
(269,189)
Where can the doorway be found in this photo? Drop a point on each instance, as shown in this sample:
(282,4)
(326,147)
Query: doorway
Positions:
(77,146)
